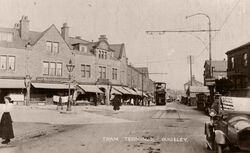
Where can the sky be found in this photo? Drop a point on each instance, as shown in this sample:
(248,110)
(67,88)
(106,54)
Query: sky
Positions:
(125,21)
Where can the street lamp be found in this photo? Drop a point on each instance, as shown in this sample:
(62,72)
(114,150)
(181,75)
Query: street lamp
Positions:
(209,34)
(27,81)
(70,68)
(210,52)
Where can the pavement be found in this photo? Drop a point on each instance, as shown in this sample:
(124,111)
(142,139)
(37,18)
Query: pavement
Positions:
(44,129)
(33,120)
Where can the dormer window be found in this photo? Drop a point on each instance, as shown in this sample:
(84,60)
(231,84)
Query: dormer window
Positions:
(103,54)
(6,36)
(83,49)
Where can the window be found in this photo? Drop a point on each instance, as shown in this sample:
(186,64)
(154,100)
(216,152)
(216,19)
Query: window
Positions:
(55,47)
(105,55)
(52,47)
(114,73)
(3,62)
(245,59)
(59,69)
(6,36)
(11,63)
(45,68)
(102,72)
(83,49)
(52,69)
(85,69)
(232,62)
(99,54)
(48,46)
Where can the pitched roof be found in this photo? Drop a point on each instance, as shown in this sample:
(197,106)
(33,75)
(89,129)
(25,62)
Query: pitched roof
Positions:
(198,89)
(238,48)
(143,69)
(194,83)
(218,65)
(17,41)
(118,50)
(74,40)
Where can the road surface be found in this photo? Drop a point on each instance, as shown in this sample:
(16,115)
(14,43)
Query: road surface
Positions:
(174,128)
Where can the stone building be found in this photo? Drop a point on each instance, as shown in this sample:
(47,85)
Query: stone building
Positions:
(34,63)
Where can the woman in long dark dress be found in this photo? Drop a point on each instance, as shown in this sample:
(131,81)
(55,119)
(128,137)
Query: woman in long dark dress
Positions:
(6,128)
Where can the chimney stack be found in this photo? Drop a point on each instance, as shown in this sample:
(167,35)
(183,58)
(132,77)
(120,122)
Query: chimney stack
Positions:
(65,32)
(24,28)
(103,37)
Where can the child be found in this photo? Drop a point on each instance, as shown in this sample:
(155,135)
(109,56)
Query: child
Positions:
(6,128)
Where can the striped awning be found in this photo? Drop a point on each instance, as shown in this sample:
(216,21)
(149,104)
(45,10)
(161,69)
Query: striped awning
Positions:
(51,86)
(90,88)
(122,90)
(131,91)
(140,93)
(115,92)
(12,83)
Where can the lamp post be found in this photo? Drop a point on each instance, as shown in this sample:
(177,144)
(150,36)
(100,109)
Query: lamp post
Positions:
(209,35)
(70,68)
(27,85)
(210,52)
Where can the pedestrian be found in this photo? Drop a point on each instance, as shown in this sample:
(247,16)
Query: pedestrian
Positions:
(6,128)
(116,102)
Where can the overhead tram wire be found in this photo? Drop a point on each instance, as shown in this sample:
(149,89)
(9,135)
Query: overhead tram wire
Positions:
(216,33)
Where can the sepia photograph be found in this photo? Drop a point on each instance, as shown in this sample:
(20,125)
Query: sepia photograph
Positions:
(124,76)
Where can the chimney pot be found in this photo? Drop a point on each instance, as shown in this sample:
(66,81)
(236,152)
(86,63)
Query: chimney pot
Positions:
(24,28)
(103,37)
(65,31)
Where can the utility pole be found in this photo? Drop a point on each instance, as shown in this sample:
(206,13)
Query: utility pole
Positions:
(210,42)
(190,60)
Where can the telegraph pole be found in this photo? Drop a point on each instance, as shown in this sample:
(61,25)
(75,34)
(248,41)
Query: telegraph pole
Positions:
(190,63)
(210,42)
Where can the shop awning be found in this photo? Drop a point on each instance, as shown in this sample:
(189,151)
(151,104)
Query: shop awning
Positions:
(122,90)
(131,91)
(140,93)
(90,88)
(12,83)
(115,92)
(51,86)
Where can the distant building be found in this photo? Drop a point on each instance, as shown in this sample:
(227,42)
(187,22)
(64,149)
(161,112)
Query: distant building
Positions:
(192,82)
(239,70)
(219,69)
